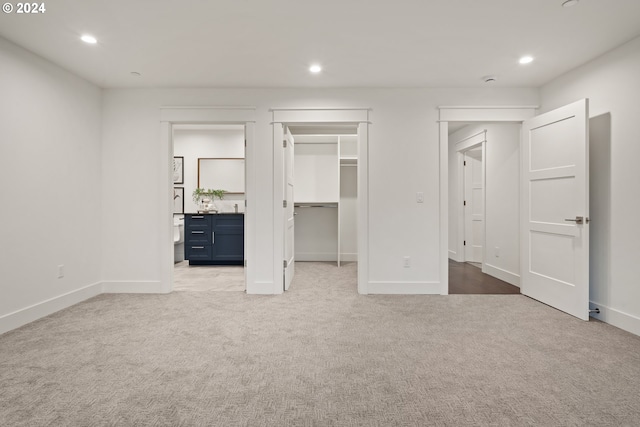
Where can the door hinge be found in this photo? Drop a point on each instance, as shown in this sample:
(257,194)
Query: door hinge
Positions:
(464,163)
(245,262)
(284,143)
(284,203)
(245,203)
(284,263)
(464,243)
(464,203)
(245,142)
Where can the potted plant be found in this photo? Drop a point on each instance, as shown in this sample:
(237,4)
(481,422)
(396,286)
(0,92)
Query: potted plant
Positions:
(205,198)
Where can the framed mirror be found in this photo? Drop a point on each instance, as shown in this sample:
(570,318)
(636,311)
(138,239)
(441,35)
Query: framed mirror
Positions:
(221,174)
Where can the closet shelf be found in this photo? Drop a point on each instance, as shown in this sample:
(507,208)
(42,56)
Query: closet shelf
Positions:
(348,160)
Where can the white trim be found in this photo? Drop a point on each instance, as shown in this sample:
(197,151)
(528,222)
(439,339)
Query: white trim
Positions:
(264,287)
(39,310)
(278,197)
(170,116)
(471,141)
(404,288)
(462,146)
(326,257)
(488,107)
(348,257)
(363,208)
(316,256)
(133,287)
(444,208)
(501,274)
(453,255)
(617,318)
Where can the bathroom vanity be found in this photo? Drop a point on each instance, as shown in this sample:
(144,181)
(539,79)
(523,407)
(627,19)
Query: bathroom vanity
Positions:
(214,239)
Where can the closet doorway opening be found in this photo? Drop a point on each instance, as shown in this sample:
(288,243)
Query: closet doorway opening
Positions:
(484,208)
(320,173)
(326,194)
(209,205)
(321,177)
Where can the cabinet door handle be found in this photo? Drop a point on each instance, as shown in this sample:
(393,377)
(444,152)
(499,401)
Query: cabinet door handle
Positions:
(197,247)
(197,232)
(213,237)
(197,217)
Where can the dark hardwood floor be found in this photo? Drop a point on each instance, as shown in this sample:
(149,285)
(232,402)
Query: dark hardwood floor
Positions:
(465,278)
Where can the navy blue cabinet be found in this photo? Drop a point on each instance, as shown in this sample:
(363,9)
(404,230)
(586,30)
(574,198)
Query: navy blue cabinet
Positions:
(214,239)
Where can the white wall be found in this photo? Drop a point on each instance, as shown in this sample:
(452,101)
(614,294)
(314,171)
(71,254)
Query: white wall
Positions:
(207,143)
(612,84)
(403,159)
(51,194)
(348,213)
(502,165)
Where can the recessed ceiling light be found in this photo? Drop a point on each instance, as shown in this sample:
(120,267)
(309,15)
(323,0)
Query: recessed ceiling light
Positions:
(570,3)
(526,59)
(315,68)
(88,39)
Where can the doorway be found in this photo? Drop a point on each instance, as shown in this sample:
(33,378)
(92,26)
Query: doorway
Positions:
(175,116)
(554,200)
(209,184)
(314,121)
(483,207)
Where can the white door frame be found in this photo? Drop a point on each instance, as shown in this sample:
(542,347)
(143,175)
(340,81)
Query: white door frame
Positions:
(469,143)
(170,116)
(465,114)
(319,116)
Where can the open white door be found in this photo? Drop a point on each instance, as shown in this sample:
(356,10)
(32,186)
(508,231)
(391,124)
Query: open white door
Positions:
(555,209)
(473,205)
(289,226)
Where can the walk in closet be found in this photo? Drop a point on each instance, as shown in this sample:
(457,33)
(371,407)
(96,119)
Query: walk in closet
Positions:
(325,198)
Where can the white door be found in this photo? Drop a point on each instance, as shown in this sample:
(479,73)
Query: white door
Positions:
(555,209)
(289,226)
(473,205)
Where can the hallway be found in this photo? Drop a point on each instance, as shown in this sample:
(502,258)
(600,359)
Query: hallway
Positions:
(465,278)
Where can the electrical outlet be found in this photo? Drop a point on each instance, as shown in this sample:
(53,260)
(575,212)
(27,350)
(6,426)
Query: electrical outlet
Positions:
(60,271)
(420,197)
(407,262)
(496,252)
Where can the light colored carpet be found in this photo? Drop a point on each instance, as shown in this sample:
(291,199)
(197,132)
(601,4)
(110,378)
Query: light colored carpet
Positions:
(203,278)
(319,355)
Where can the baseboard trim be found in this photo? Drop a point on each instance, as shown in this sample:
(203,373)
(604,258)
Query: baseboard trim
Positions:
(501,274)
(317,256)
(404,288)
(325,257)
(261,288)
(42,309)
(349,257)
(133,287)
(454,256)
(617,318)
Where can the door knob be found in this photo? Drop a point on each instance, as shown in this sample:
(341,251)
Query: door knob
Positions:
(577,220)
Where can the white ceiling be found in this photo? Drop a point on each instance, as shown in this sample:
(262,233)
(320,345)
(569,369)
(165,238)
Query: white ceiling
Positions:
(360,43)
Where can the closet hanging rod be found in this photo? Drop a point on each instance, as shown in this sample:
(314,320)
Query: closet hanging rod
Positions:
(315,205)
